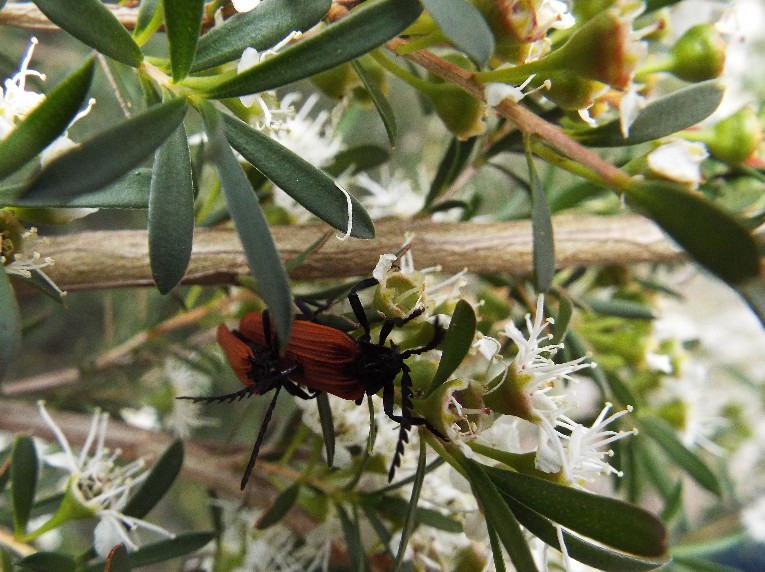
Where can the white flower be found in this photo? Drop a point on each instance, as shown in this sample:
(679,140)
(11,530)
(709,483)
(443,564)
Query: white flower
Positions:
(27,259)
(580,452)
(186,380)
(99,486)
(496,93)
(394,195)
(541,377)
(679,160)
(16,102)
(629,107)
(753,519)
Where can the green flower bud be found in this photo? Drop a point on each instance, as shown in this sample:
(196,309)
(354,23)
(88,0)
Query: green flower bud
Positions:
(436,406)
(471,559)
(336,82)
(699,54)
(506,394)
(735,138)
(571,91)
(72,507)
(398,294)
(10,235)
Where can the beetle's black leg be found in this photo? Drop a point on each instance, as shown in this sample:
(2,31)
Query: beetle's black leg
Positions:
(358,311)
(259,440)
(242,393)
(294,389)
(405,419)
(438,337)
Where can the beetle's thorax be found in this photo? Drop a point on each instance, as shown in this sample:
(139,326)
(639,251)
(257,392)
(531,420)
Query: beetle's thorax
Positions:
(376,365)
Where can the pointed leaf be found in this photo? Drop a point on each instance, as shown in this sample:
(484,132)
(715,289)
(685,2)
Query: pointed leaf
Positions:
(541,226)
(562,320)
(499,516)
(171,212)
(578,548)
(327,426)
(368,26)
(163,550)
(612,522)
(149,20)
(465,26)
(453,163)
(309,186)
(679,110)
(457,342)
(94,25)
(10,332)
(620,308)
(261,28)
(47,562)
(357,159)
(265,264)
(661,432)
(23,481)
(689,219)
(408,528)
(281,506)
(753,291)
(380,101)
(108,155)
(352,534)
(154,487)
(183,21)
(131,191)
(46,121)
(118,560)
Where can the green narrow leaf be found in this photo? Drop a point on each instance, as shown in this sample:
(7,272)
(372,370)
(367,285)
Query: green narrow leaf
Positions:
(679,110)
(612,522)
(149,20)
(562,320)
(154,487)
(118,560)
(131,191)
(620,308)
(368,26)
(10,332)
(496,549)
(541,225)
(499,516)
(171,212)
(352,535)
(378,98)
(327,426)
(456,344)
(265,264)
(183,21)
(453,163)
(261,28)
(702,565)
(309,186)
(107,156)
(47,562)
(579,549)
(46,121)
(380,529)
(91,22)
(398,508)
(357,159)
(281,506)
(661,432)
(689,219)
(163,550)
(23,481)
(408,528)
(465,26)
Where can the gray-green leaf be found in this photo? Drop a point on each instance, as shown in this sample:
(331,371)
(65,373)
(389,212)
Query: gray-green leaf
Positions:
(154,487)
(260,28)
(91,22)
(679,110)
(183,19)
(10,332)
(46,121)
(380,101)
(108,155)
(464,25)
(309,186)
(265,264)
(171,212)
(368,26)
(23,481)
(457,342)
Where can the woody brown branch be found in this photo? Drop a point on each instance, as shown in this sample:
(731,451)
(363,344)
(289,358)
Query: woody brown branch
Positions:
(109,259)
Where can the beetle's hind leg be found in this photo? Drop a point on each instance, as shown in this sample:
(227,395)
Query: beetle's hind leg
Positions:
(229,397)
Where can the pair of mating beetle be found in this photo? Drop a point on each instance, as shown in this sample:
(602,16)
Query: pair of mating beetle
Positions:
(322,358)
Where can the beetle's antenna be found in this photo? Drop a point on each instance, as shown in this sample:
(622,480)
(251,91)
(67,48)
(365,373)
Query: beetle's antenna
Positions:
(259,440)
(242,393)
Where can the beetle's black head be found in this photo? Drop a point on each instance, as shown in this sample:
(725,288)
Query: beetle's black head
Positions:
(377,365)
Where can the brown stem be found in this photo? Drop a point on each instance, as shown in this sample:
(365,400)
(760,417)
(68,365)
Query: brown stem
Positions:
(111,259)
